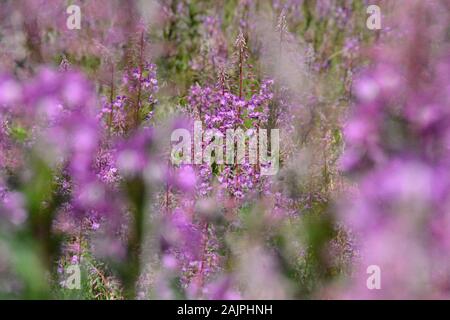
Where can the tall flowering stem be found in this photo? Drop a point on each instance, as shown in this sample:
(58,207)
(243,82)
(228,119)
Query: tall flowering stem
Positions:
(140,66)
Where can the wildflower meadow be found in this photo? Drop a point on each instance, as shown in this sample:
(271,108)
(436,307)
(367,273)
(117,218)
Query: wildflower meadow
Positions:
(224,150)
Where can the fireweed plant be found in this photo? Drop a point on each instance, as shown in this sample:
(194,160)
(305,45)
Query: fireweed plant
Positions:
(96,204)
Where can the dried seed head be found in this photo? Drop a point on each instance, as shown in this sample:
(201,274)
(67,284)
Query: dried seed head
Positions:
(240,43)
(64,65)
(223,78)
(282,23)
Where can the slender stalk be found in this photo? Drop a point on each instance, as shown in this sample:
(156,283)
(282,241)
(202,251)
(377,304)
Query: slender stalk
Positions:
(138,100)
(200,278)
(241,76)
(111,99)
(241,83)
(80,239)
(168,190)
